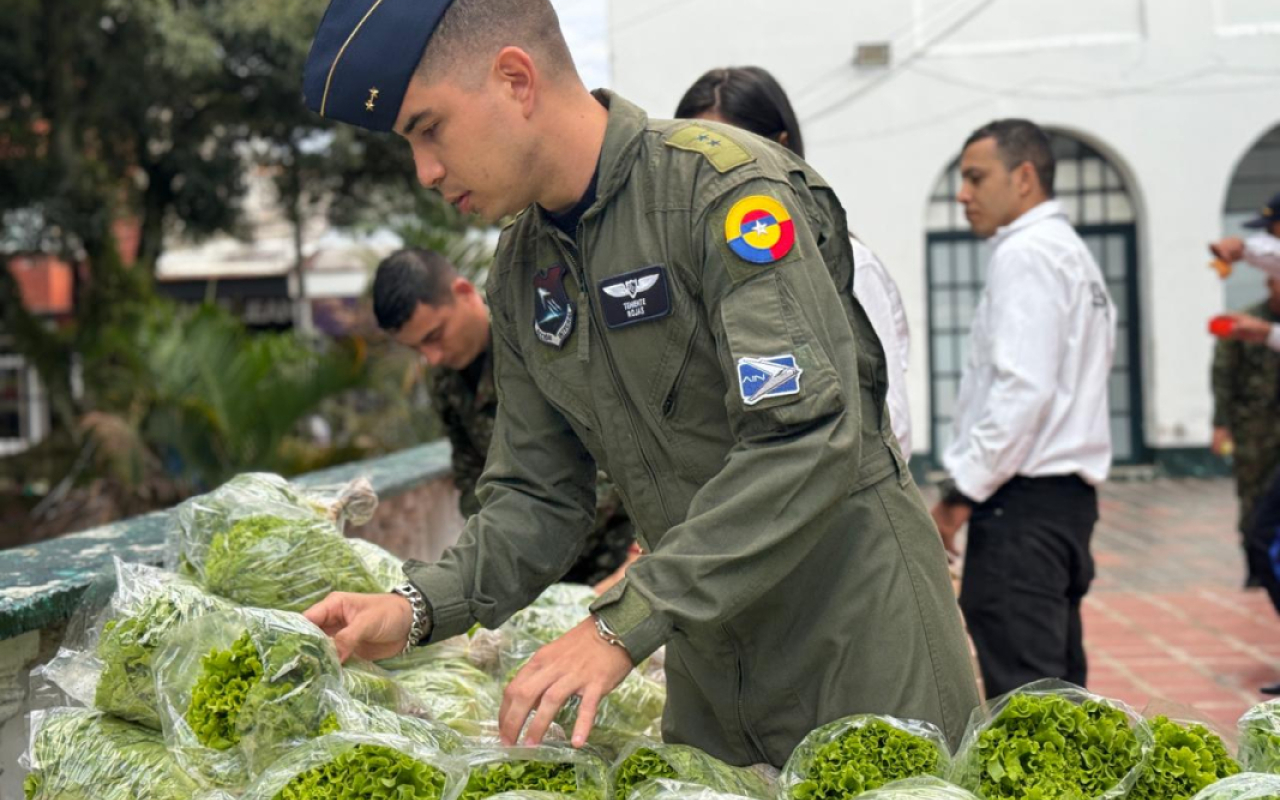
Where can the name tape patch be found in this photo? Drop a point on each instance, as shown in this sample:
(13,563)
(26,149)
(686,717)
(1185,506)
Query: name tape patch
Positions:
(638,296)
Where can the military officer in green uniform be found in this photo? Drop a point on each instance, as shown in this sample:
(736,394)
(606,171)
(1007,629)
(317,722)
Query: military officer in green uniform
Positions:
(421,300)
(1246,416)
(672,304)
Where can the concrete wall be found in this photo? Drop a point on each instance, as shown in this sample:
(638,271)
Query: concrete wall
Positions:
(1174,92)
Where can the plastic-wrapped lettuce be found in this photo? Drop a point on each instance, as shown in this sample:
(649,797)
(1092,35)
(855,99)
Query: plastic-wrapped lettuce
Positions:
(1051,739)
(1186,756)
(359,766)
(1260,738)
(450,687)
(855,754)
(643,761)
(1245,786)
(387,570)
(347,714)
(370,683)
(666,789)
(561,770)
(923,788)
(239,688)
(261,542)
(80,754)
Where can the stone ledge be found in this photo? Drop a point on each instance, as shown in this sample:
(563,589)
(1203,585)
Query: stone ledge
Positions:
(40,585)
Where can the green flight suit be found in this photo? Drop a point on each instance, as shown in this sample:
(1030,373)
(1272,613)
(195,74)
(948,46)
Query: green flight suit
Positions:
(792,571)
(468,412)
(1246,401)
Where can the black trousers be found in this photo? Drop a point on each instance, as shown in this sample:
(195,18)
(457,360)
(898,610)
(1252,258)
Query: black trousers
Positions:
(1027,568)
(1262,541)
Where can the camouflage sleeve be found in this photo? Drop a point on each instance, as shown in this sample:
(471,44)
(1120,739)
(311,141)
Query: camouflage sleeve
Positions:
(787,349)
(1225,360)
(467,461)
(538,500)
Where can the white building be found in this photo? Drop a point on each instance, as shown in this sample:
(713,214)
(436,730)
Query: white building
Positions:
(1168,121)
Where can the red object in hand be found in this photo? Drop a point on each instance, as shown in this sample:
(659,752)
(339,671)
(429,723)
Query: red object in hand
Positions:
(1222,326)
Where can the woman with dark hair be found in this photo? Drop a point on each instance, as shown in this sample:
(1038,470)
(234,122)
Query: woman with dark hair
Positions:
(750,98)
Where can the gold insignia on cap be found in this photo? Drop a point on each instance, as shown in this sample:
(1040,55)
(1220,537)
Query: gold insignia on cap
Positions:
(1267,211)
(324,99)
(373,95)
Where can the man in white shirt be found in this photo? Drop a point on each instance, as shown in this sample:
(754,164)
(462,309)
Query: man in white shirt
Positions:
(1033,434)
(1262,250)
(878,293)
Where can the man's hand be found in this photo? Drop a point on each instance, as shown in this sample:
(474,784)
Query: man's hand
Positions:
(1222,445)
(578,663)
(950,518)
(1229,250)
(1249,329)
(371,626)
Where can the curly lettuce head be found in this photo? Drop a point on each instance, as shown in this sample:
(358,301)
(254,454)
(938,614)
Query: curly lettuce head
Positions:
(367,772)
(862,758)
(274,562)
(1260,738)
(647,761)
(1184,760)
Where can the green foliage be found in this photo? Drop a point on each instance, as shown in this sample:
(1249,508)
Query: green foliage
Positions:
(1185,760)
(654,761)
(83,755)
(367,772)
(1046,747)
(497,777)
(642,765)
(287,564)
(1260,738)
(863,758)
(219,694)
(453,690)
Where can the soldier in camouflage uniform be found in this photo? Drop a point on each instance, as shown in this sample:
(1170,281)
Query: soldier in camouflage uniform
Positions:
(1246,394)
(463,392)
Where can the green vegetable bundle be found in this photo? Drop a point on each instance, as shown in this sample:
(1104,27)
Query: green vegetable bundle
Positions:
(1245,786)
(631,711)
(1184,759)
(387,570)
(79,754)
(855,754)
(641,761)
(1052,741)
(1260,738)
(665,789)
(348,714)
(371,684)
(149,604)
(239,688)
(452,689)
(355,766)
(924,788)
(269,561)
(560,770)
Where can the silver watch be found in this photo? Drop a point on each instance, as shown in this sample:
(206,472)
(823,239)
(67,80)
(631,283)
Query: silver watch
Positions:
(609,634)
(421,614)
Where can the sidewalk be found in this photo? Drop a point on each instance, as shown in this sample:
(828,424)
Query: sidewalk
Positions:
(1167,616)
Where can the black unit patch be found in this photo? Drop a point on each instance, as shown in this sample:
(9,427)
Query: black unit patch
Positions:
(639,296)
(553,312)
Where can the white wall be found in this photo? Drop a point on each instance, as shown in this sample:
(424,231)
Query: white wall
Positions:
(1174,91)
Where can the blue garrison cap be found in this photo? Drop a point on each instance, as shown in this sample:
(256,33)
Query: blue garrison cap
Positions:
(363,56)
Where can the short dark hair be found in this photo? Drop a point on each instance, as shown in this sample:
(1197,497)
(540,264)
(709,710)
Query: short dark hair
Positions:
(1019,141)
(471,29)
(747,97)
(409,277)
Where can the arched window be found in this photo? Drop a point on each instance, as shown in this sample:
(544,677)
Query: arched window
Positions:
(1097,198)
(1255,181)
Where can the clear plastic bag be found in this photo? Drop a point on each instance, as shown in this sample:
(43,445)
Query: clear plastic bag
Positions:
(667,789)
(261,542)
(858,753)
(352,766)
(1038,737)
(371,684)
(644,761)
(386,569)
(349,715)
(923,788)
(239,688)
(561,770)
(86,755)
(1260,738)
(449,686)
(631,711)
(1188,754)
(1245,786)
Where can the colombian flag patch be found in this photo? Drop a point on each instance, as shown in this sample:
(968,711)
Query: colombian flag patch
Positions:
(759,229)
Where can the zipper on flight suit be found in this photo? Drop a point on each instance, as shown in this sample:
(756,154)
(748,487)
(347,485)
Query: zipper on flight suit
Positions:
(669,404)
(754,748)
(581,273)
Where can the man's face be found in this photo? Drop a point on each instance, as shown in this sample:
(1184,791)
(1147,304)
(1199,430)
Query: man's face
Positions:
(450,335)
(469,144)
(987,190)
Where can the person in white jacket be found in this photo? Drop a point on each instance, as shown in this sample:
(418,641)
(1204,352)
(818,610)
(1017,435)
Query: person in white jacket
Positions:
(750,98)
(1262,250)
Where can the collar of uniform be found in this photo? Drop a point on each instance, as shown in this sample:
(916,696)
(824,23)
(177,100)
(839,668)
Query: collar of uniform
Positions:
(621,139)
(1046,210)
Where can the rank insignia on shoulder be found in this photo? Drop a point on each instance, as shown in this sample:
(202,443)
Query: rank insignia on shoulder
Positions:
(553,311)
(759,230)
(638,296)
(765,377)
(723,152)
